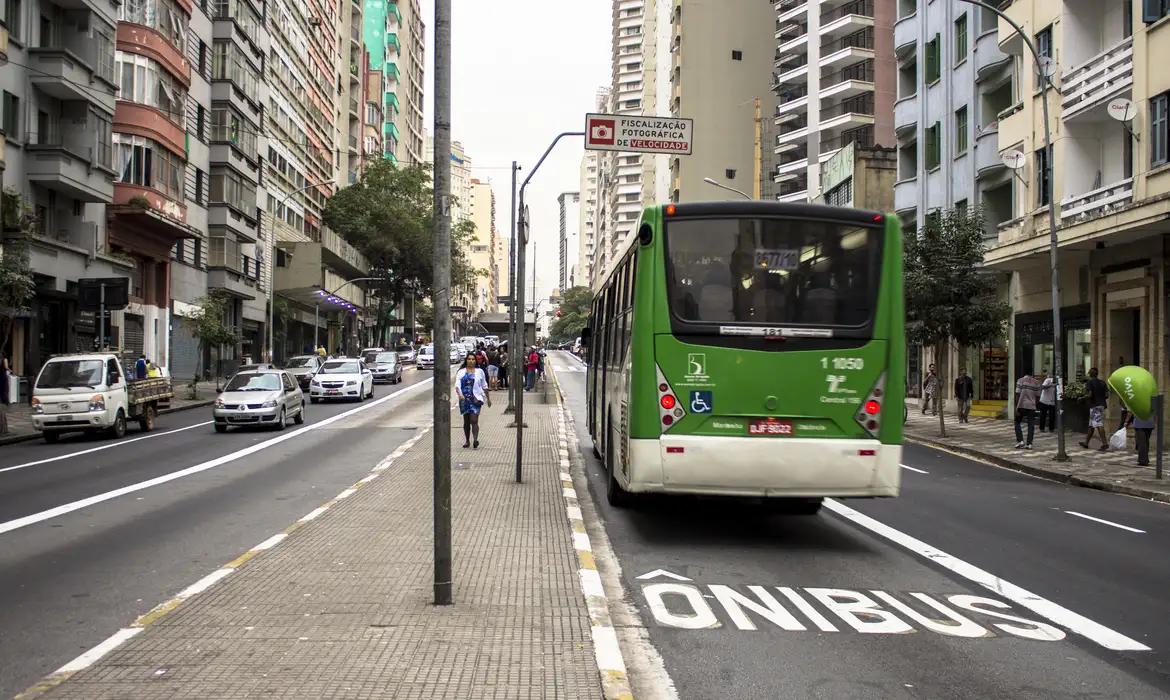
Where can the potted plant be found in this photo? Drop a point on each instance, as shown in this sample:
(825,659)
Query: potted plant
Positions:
(140,201)
(1074,407)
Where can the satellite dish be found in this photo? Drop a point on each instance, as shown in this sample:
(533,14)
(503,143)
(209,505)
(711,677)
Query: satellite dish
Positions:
(1014,160)
(526,223)
(1046,67)
(1121,109)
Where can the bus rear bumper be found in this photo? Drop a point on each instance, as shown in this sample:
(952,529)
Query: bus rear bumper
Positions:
(764,467)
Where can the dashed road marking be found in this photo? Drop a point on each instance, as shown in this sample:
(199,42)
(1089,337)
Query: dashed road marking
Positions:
(606,649)
(1106,522)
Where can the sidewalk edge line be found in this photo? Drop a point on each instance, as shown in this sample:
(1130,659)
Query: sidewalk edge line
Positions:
(1041,472)
(607,651)
(96,653)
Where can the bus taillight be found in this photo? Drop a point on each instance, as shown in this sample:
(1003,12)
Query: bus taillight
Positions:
(668,402)
(872,407)
(667,420)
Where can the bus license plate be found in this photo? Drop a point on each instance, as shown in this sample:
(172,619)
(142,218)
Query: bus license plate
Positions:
(763,426)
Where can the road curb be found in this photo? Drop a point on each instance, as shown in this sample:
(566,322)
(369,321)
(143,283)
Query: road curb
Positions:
(1043,473)
(611,665)
(12,439)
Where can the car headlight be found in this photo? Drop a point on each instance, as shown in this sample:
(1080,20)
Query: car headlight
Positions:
(352,382)
(36,406)
(316,383)
(219,403)
(97,402)
(271,403)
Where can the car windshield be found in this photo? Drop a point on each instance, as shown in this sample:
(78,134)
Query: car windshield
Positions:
(403,348)
(305,361)
(382,358)
(346,367)
(253,381)
(428,350)
(64,374)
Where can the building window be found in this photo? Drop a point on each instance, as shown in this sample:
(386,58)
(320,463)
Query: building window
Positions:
(737,55)
(223,250)
(140,161)
(229,127)
(11,115)
(961,131)
(241,12)
(961,39)
(1042,177)
(12,18)
(164,16)
(961,208)
(933,147)
(147,83)
(1159,129)
(1044,42)
(1152,10)
(933,69)
(104,139)
(228,187)
(199,185)
(103,48)
(841,195)
(228,63)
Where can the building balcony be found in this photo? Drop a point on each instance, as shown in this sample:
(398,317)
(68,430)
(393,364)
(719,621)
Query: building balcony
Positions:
(847,50)
(847,115)
(791,167)
(793,190)
(243,224)
(906,32)
(792,38)
(988,58)
(793,100)
(1086,89)
(71,170)
(847,19)
(792,138)
(790,9)
(906,116)
(792,68)
(150,231)
(988,162)
(906,194)
(1097,202)
(862,137)
(852,81)
(65,75)
(233,279)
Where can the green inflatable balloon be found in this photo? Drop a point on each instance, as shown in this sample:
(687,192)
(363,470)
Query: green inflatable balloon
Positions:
(1137,388)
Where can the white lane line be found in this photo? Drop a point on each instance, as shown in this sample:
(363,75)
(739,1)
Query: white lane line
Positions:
(1106,522)
(1057,614)
(920,471)
(100,650)
(109,446)
(66,508)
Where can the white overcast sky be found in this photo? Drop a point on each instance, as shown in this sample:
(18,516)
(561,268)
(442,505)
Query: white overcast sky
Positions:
(522,72)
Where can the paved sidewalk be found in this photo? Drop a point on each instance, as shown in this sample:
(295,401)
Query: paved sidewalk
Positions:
(341,606)
(20,426)
(994,441)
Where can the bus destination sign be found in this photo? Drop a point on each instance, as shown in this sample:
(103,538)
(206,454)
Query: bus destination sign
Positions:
(638,134)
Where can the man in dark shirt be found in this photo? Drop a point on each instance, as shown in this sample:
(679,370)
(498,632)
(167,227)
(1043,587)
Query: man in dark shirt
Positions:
(1097,391)
(964,393)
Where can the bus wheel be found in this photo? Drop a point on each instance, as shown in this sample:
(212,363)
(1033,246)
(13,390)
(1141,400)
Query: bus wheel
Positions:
(614,493)
(794,506)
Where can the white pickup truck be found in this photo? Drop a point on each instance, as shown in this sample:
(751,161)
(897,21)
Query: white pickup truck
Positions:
(93,392)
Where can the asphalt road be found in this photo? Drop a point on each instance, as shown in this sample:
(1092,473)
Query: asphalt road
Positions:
(88,543)
(862,592)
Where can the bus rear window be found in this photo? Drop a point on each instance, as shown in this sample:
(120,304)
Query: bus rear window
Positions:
(772,272)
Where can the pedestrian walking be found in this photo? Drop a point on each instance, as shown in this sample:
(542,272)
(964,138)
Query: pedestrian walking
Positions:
(964,392)
(929,390)
(503,374)
(493,368)
(1142,429)
(473,394)
(1048,403)
(5,395)
(1098,392)
(1027,395)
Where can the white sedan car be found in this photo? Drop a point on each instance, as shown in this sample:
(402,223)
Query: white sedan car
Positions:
(342,379)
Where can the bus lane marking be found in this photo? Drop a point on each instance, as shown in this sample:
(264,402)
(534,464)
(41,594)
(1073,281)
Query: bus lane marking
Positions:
(747,608)
(1053,612)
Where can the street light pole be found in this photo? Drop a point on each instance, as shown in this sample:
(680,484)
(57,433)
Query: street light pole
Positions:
(1042,68)
(512,337)
(317,305)
(272,261)
(712,181)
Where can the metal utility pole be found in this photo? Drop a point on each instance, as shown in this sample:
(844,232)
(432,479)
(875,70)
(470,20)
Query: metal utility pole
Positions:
(522,216)
(757,155)
(1044,69)
(512,337)
(442,301)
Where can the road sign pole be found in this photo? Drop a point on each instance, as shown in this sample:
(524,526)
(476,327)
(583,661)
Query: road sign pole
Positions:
(512,294)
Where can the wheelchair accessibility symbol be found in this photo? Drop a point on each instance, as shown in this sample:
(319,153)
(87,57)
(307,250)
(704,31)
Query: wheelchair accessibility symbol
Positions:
(702,402)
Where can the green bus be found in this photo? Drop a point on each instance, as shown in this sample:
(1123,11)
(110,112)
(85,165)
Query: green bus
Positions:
(750,349)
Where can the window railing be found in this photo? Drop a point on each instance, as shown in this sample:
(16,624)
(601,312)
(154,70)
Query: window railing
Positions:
(862,72)
(792,157)
(862,137)
(856,40)
(786,5)
(792,63)
(789,30)
(791,126)
(800,184)
(855,105)
(859,7)
(789,93)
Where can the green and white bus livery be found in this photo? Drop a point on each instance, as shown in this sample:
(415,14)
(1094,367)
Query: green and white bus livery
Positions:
(750,349)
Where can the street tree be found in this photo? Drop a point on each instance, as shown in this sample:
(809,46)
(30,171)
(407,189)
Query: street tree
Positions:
(17,285)
(210,331)
(572,314)
(424,317)
(387,215)
(949,297)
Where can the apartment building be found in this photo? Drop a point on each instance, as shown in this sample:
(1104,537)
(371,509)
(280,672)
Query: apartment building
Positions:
(711,60)
(587,223)
(483,247)
(410,59)
(953,81)
(569,238)
(381,26)
(834,74)
(1111,181)
(622,174)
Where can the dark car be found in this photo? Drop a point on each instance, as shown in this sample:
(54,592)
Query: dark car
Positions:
(385,366)
(303,367)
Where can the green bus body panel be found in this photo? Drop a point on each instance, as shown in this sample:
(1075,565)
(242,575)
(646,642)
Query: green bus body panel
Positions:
(741,381)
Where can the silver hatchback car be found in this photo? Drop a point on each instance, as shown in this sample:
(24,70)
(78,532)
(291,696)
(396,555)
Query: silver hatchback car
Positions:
(265,397)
